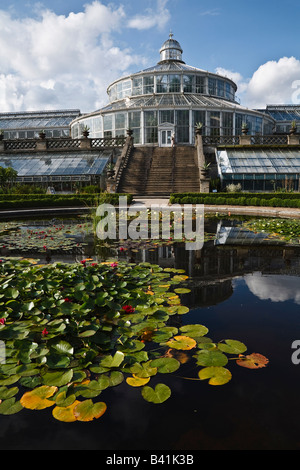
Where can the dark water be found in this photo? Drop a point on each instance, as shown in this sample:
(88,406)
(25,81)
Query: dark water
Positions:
(242,289)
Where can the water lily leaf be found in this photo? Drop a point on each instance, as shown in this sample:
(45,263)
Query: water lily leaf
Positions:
(211,358)
(31,382)
(11,293)
(113,361)
(215,375)
(10,406)
(143,370)
(136,381)
(182,290)
(194,331)
(179,278)
(90,389)
(253,361)
(87,410)
(27,370)
(182,310)
(116,377)
(165,365)
(182,342)
(232,346)
(56,361)
(65,413)
(6,392)
(63,399)
(158,395)
(37,399)
(63,347)
(58,378)
(10,380)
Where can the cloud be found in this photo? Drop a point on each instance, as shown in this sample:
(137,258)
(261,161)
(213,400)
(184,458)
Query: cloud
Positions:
(56,61)
(275,288)
(236,77)
(212,12)
(275,82)
(153,18)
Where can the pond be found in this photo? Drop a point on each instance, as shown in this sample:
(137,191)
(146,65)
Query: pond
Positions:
(245,286)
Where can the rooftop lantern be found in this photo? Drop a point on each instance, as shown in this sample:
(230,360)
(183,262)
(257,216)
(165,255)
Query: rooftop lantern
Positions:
(171,50)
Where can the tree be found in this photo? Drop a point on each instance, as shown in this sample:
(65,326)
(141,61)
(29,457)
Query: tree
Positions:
(7,177)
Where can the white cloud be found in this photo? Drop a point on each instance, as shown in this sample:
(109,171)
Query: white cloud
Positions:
(158,18)
(275,82)
(212,12)
(236,77)
(57,61)
(276,288)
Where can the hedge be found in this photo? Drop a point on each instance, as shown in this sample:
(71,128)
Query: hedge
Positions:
(20,201)
(238,199)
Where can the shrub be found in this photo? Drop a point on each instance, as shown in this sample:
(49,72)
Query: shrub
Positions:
(241,199)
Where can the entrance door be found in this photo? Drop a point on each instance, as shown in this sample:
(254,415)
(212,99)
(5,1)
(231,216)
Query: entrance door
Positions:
(166,137)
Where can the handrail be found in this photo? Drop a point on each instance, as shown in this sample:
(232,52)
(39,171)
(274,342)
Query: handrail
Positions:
(60,143)
(273,139)
(122,161)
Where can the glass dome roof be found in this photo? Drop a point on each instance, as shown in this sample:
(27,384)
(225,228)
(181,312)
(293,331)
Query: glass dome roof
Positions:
(171,50)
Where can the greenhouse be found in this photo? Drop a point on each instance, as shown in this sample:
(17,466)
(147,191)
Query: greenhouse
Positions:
(27,125)
(58,167)
(260,169)
(167,100)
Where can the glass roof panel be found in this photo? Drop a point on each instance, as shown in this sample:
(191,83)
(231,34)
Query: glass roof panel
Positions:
(254,161)
(56,164)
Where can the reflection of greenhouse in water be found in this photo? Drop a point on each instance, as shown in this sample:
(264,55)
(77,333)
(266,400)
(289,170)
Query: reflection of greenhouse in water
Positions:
(212,269)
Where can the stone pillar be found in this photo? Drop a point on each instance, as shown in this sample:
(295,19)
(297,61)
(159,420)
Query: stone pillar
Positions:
(293,139)
(85,143)
(203,175)
(111,185)
(41,145)
(204,185)
(245,139)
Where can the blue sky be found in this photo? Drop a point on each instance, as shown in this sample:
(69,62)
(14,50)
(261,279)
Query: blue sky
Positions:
(63,54)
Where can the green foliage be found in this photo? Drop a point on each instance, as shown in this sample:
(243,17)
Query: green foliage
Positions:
(287,230)
(72,331)
(20,201)
(17,236)
(238,199)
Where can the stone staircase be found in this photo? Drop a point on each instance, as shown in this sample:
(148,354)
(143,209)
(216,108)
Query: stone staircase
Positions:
(160,171)
(186,172)
(134,176)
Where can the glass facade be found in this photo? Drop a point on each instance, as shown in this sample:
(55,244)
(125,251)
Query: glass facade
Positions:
(172,93)
(27,125)
(172,83)
(57,167)
(260,170)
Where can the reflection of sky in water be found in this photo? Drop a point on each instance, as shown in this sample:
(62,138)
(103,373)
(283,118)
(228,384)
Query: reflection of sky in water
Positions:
(276,288)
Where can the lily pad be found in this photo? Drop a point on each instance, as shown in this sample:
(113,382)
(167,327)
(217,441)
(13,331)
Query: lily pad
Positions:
(10,406)
(253,361)
(158,395)
(136,381)
(165,365)
(37,399)
(87,410)
(181,342)
(58,378)
(65,413)
(211,358)
(232,346)
(215,375)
